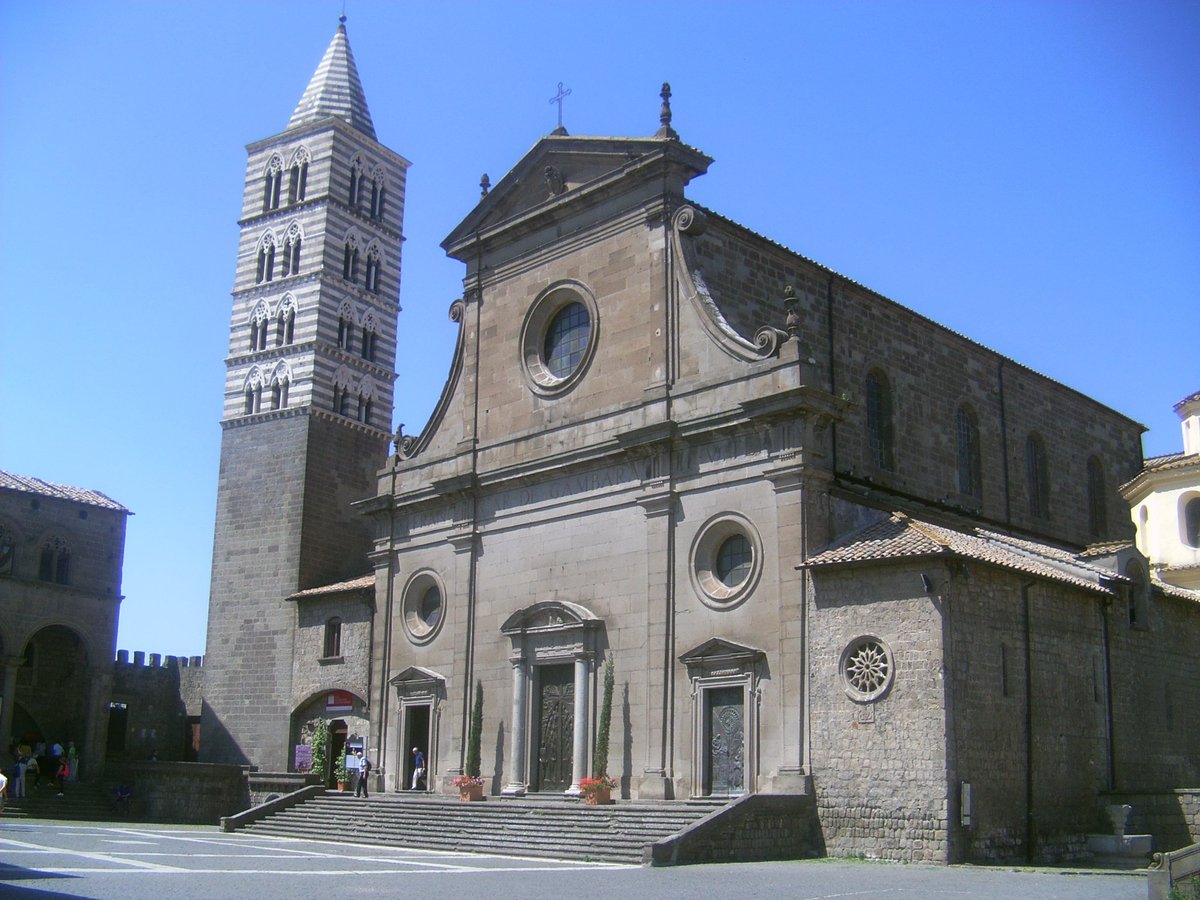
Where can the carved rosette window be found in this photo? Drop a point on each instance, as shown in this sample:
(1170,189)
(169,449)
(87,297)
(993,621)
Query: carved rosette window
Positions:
(867,669)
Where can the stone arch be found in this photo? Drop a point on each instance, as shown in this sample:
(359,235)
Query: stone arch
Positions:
(56,683)
(326,705)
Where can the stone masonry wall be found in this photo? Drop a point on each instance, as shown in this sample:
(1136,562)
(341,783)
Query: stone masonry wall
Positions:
(990,721)
(159,698)
(931,371)
(879,767)
(1156,716)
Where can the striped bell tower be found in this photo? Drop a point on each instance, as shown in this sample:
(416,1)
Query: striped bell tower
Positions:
(308,397)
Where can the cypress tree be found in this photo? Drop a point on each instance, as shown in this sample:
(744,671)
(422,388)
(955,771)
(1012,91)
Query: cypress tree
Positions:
(475,732)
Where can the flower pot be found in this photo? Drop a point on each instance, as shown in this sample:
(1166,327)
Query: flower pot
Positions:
(470,792)
(341,785)
(598,797)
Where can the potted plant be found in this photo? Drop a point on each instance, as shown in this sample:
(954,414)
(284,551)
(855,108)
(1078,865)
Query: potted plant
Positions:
(597,790)
(340,772)
(470,783)
(320,744)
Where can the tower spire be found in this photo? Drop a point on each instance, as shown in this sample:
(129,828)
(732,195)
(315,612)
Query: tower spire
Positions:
(335,89)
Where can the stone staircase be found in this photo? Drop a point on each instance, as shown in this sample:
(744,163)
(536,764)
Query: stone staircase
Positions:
(555,828)
(82,801)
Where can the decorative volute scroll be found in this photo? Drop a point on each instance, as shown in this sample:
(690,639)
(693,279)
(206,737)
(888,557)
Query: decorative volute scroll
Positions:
(691,222)
(408,445)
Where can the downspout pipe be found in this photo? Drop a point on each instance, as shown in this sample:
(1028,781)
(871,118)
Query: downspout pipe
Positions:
(1027,616)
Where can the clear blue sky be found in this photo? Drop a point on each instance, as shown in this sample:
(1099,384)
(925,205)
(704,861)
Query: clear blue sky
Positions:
(1026,173)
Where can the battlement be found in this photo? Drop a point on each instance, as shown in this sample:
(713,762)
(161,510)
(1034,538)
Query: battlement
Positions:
(157,660)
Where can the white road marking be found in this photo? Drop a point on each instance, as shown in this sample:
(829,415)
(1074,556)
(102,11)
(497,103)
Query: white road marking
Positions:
(97,857)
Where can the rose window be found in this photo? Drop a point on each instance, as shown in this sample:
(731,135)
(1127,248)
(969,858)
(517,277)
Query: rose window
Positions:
(867,668)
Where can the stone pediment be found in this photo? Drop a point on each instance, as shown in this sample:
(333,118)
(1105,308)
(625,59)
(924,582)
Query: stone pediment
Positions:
(417,675)
(549,615)
(560,168)
(717,652)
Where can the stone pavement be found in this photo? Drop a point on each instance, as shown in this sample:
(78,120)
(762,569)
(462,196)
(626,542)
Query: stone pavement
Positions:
(133,862)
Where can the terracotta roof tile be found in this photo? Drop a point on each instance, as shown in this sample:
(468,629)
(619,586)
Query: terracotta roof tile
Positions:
(899,536)
(362,583)
(24,484)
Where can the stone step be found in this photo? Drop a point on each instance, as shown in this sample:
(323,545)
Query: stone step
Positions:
(540,827)
(81,801)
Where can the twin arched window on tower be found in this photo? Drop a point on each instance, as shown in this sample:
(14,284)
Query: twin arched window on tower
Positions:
(367,190)
(297,180)
(374,263)
(284,319)
(292,240)
(351,400)
(275,387)
(54,561)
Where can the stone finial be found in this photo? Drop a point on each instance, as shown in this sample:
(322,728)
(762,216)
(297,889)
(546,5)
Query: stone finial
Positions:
(485,185)
(792,323)
(664,115)
(398,438)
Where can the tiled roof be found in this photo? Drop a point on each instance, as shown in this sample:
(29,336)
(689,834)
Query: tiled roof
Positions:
(1105,549)
(363,583)
(900,536)
(1171,461)
(1186,400)
(1174,590)
(335,90)
(11,482)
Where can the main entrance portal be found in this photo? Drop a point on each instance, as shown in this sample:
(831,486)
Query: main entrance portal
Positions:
(724,740)
(555,720)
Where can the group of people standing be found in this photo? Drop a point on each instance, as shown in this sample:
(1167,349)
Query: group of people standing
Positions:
(56,765)
(365,765)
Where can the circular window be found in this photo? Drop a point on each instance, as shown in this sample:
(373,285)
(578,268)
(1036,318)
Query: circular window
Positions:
(558,338)
(867,669)
(423,607)
(726,560)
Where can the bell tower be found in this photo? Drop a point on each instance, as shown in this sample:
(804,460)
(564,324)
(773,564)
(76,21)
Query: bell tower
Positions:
(308,397)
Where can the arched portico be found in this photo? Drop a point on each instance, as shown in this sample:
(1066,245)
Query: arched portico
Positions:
(554,646)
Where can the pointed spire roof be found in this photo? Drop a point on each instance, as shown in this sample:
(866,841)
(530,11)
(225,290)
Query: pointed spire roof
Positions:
(335,89)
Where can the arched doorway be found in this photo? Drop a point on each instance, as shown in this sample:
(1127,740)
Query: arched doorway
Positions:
(343,713)
(53,687)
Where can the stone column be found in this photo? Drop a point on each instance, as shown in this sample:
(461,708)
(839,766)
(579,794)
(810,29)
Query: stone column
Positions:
(9,692)
(516,752)
(579,756)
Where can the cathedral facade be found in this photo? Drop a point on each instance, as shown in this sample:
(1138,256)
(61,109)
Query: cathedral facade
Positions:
(827,545)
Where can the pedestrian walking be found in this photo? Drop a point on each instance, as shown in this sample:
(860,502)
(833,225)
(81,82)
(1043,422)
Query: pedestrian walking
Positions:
(364,769)
(418,767)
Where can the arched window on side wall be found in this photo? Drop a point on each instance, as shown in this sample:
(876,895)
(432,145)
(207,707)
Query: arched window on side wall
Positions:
(1037,477)
(1191,522)
(970,469)
(1097,508)
(879,420)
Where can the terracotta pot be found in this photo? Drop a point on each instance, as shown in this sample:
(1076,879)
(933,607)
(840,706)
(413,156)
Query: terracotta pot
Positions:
(341,785)
(470,792)
(598,797)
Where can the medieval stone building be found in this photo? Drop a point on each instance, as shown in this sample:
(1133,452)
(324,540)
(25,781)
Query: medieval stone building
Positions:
(61,550)
(826,544)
